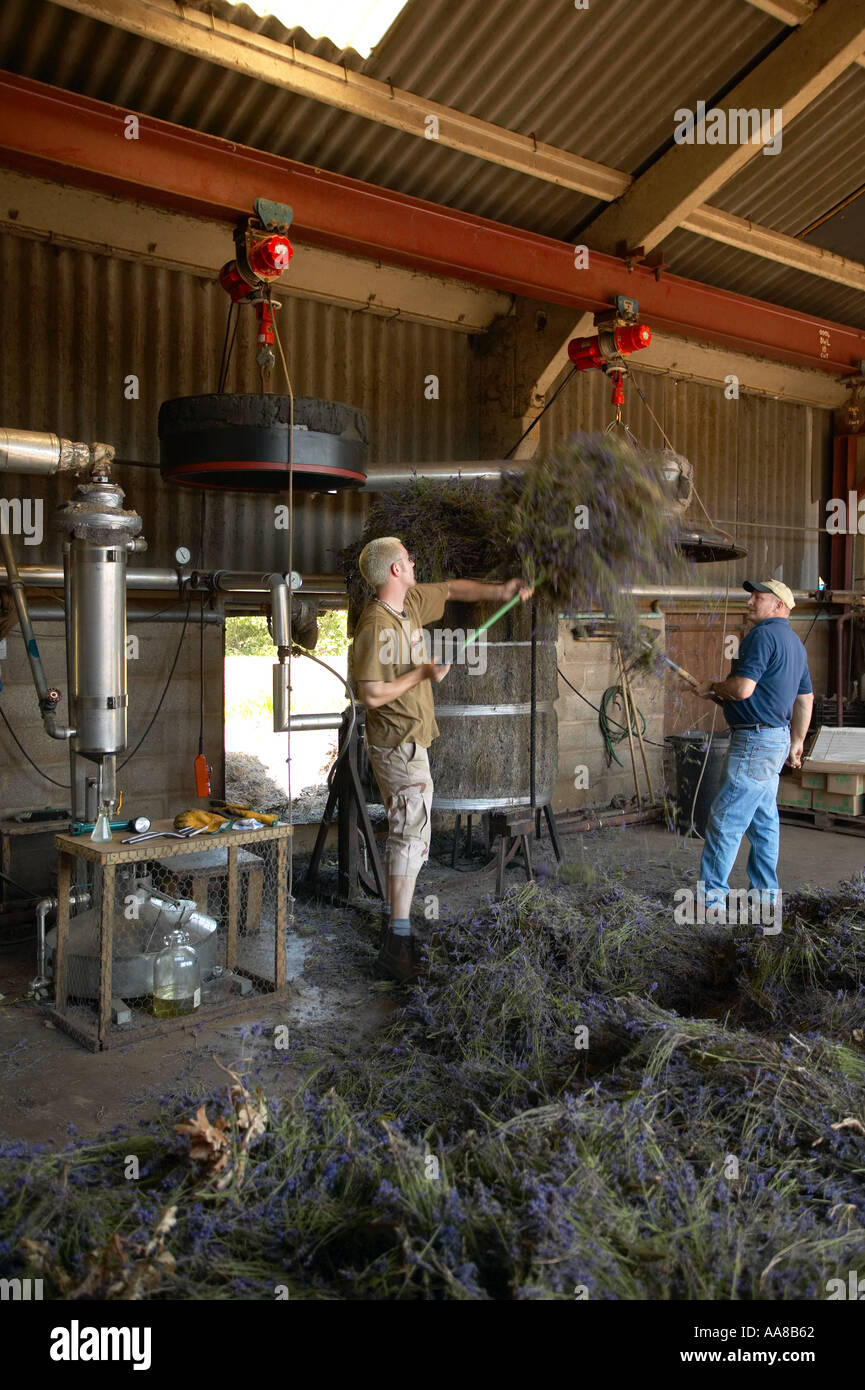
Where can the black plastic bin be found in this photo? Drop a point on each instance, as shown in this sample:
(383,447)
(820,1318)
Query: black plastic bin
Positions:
(691,751)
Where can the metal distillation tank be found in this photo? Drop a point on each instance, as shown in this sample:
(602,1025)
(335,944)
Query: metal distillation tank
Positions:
(100,533)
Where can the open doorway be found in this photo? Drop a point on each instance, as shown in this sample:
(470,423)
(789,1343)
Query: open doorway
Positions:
(256,759)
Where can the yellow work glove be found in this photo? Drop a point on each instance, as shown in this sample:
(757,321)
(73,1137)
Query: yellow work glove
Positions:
(244,812)
(201,820)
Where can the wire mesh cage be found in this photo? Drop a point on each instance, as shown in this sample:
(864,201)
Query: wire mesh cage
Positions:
(166,931)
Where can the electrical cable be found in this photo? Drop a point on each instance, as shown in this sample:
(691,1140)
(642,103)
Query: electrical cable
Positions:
(165,690)
(226,355)
(154,617)
(35,766)
(15,884)
(811,628)
(542,412)
(347,740)
(610,721)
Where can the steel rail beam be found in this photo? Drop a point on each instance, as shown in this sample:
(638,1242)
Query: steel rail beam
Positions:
(82,141)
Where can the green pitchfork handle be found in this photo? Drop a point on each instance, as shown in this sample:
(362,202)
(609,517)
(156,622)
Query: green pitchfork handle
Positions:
(499,613)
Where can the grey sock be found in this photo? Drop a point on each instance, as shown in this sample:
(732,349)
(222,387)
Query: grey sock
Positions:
(401,926)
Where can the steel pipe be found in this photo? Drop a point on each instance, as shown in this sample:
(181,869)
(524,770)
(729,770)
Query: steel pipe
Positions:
(78,898)
(307,723)
(47,699)
(385,477)
(51,577)
(166,580)
(44,612)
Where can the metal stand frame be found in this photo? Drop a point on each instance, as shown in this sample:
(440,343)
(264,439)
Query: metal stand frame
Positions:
(347,798)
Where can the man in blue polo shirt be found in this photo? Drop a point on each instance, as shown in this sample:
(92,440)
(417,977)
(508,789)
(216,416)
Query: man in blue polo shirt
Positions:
(767,701)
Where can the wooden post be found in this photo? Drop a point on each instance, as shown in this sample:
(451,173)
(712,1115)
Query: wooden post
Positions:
(233,909)
(625,702)
(281,908)
(640,739)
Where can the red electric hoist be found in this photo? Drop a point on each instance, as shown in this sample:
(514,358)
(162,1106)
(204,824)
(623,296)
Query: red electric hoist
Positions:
(263,253)
(619,334)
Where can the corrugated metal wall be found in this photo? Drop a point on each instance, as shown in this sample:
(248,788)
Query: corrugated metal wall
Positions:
(77,324)
(760,465)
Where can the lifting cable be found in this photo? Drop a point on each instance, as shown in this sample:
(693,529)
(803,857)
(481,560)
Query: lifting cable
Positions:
(290,597)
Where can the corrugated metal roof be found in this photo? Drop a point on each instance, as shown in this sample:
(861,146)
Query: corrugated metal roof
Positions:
(730,269)
(821,161)
(602,82)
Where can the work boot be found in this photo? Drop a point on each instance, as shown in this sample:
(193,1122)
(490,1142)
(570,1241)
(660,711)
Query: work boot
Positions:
(398,958)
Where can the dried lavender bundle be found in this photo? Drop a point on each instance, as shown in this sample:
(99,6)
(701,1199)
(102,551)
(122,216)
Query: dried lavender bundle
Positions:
(589,521)
(583,524)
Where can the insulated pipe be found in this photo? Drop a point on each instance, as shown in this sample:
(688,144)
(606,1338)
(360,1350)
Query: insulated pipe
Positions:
(34,451)
(48,699)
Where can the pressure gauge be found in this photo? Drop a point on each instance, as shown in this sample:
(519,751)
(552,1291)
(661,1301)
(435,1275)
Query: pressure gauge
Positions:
(182,555)
(140,824)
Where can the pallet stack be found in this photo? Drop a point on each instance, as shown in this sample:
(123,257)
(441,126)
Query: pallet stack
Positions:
(829,792)
(841,793)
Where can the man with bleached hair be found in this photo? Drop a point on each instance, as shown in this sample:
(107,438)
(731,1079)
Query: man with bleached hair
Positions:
(767,701)
(395,684)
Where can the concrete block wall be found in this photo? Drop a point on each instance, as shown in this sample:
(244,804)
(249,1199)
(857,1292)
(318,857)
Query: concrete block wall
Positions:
(159,780)
(591,667)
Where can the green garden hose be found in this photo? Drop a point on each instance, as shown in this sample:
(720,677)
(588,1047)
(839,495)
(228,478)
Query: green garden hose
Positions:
(609,736)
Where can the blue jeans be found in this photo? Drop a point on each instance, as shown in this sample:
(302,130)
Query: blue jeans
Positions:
(746,805)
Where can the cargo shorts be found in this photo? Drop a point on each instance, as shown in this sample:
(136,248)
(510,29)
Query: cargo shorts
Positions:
(403,777)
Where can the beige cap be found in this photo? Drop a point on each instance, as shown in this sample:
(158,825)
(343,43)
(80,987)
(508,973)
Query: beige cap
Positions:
(772,586)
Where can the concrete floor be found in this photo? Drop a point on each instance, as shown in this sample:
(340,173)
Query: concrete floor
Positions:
(48,1081)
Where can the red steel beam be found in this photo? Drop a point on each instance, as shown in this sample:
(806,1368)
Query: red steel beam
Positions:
(77,140)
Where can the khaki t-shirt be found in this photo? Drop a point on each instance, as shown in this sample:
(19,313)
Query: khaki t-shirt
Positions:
(384,648)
